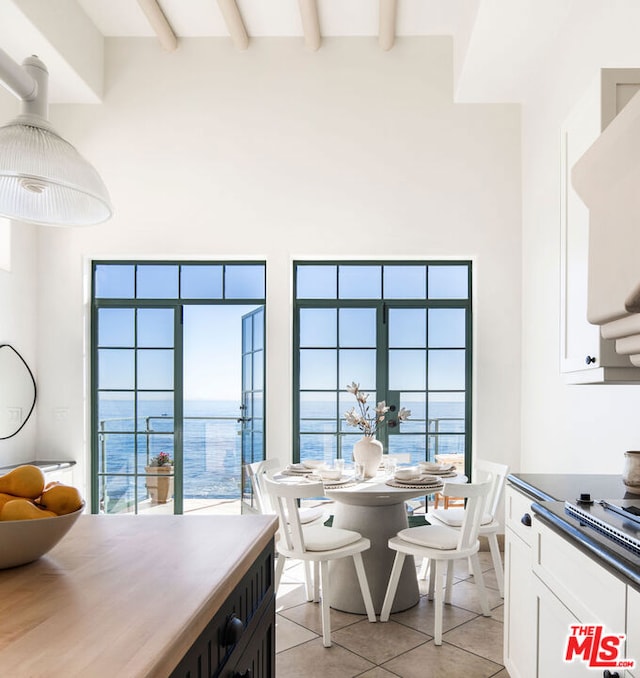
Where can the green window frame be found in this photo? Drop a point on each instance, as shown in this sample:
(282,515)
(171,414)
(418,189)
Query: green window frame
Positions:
(438,294)
(137,286)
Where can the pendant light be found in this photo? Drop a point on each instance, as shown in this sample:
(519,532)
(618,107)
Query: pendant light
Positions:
(43,179)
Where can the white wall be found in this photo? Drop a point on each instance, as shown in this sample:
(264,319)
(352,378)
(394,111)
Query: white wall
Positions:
(279,153)
(579,429)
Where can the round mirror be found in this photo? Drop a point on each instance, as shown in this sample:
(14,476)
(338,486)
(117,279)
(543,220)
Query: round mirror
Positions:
(17,391)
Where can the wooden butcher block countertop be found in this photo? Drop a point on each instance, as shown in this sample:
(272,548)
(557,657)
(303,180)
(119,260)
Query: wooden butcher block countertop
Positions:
(123,596)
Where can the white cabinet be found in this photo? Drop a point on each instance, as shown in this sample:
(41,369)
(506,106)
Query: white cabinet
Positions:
(520,612)
(549,585)
(585,357)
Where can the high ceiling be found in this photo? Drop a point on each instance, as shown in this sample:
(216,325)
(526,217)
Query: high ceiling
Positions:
(500,46)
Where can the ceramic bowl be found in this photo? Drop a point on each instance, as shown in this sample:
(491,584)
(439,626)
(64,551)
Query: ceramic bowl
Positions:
(330,473)
(407,473)
(24,541)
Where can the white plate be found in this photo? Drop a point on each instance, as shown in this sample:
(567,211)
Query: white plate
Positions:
(421,480)
(345,479)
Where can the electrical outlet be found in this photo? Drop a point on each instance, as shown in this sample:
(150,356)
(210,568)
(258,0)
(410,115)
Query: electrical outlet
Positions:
(61,413)
(14,415)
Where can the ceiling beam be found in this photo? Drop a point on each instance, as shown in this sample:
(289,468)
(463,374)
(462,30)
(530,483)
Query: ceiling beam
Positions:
(387,31)
(310,23)
(158,21)
(235,24)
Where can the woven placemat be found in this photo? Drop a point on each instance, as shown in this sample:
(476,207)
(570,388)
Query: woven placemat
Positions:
(418,486)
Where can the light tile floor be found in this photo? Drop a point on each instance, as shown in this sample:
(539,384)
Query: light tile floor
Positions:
(403,647)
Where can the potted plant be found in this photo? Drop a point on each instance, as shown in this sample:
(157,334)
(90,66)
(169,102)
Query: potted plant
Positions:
(159,480)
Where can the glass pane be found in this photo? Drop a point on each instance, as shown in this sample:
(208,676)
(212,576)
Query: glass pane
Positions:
(318,425)
(407,370)
(318,405)
(116,327)
(258,369)
(247,372)
(201,282)
(116,453)
(247,334)
(446,412)
(116,412)
(318,369)
(318,446)
(446,370)
(405,282)
(359,366)
(445,444)
(316,282)
(347,442)
(358,327)
(416,402)
(155,369)
(415,445)
(244,282)
(318,326)
(407,328)
(360,282)
(157,281)
(114,282)
(258,405)
(448,282)
(258,330)
(117,494)
(447,327)
(155,327)
(150,446)
(155,412)
(116,368)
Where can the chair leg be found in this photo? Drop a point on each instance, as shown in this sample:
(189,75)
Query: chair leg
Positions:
(364,586)
(479,581)
(326,618)
(449,582)
(497,562)
(432,576)
(316,581)
(424,569)
(279,570)
(308,580)
(438,602)
(392,586)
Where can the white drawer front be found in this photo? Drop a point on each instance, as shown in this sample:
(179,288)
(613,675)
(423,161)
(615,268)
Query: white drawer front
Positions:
(516,506)
(591,593)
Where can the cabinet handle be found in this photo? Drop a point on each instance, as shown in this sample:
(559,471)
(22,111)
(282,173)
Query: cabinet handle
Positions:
(590,359)
(232,631)
(526,519)
(608,674)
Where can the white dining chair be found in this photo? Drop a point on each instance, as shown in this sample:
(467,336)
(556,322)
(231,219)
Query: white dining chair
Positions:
(489,526)
(316,544)
(257,472)
(442,545)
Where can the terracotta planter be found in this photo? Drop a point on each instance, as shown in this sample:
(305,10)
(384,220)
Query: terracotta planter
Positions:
(368,451)
(159,483)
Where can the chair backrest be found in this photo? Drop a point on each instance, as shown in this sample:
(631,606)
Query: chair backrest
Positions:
(284,498)
(476,496)
(497,473)
(257,472)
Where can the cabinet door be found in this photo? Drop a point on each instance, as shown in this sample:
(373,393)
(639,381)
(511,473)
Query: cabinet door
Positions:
(519,626)
(553,621)
(633,630)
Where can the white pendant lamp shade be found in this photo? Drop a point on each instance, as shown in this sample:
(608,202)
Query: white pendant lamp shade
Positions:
(43,179)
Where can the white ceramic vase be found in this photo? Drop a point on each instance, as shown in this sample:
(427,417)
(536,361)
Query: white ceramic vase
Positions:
(631,471)
(368,451)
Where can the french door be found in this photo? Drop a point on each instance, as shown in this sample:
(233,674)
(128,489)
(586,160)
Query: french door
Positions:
(174,345)
(403,340)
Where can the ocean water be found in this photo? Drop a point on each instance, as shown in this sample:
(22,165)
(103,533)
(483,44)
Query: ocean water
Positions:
(212,444)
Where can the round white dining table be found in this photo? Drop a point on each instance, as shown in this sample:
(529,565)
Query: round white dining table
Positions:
(377,511)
